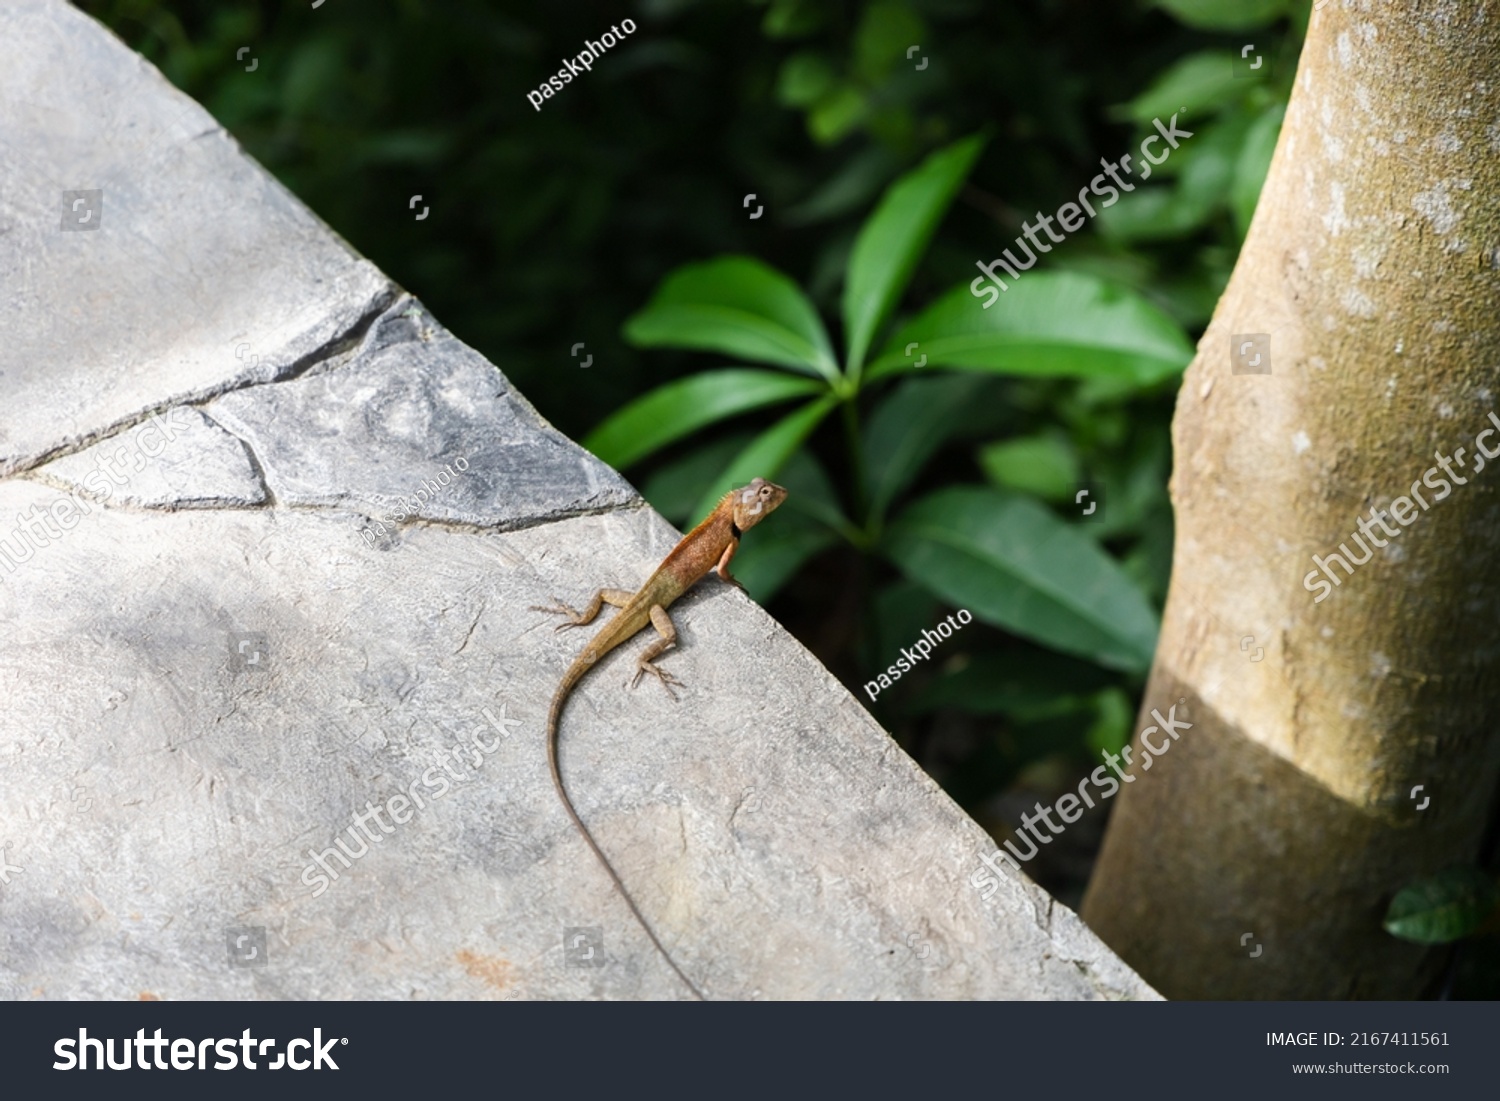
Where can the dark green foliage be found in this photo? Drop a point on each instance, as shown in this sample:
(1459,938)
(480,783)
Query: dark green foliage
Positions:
(1443,908)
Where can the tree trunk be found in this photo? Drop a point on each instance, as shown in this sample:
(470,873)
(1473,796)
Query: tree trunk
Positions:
(1286,811)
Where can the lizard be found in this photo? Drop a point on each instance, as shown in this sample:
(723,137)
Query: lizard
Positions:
(708,548)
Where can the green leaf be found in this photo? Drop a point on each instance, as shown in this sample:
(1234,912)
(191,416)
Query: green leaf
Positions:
(1044,465)
(1021,681)
(423,147)
(315,70)
(893,239)
(840,111)
(908,426)
(1113,714)
(741,307)
(886,31)
(1224,15)
(1444,908)
(767,453)
(1196,84)
(1205,167)
(1014,564)
(805,78)
(792,18)
(810,493)
(1253,165)
(680,408)
(1152,214)
(1207,164)
(849,188)
(1064,325)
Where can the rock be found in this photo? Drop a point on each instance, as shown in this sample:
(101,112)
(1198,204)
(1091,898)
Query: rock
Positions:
(196,464)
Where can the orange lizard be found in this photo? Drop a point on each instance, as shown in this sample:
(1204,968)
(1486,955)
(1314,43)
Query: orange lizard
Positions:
(709,547)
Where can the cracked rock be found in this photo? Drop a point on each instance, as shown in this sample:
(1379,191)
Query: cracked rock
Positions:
(197,464)
(196,271)
(416,425)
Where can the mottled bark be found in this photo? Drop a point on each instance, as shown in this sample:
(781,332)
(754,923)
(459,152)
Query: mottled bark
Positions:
(1286,811)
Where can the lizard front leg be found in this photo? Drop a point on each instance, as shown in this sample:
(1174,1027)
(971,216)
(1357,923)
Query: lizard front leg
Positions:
(663,624)
(617,598)
(722,569)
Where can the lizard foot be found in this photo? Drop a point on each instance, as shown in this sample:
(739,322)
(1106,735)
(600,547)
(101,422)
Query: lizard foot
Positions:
(559,608)
(667,679)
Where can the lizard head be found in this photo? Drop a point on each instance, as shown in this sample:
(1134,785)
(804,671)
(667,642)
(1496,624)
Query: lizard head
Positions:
(755,502)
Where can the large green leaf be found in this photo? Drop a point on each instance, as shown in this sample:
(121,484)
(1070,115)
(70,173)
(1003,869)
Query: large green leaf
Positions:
(908,426)
(1014,564)
(893,240)
(1444,908)
(680,408)
(767,453)
(741,307)
(1064,325)
(1198,83)
(1044,465)
(1224,15)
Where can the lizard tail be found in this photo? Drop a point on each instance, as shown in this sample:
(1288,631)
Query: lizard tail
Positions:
(554,720)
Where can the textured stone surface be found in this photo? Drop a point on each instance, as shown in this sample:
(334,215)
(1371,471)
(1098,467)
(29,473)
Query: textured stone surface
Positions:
(209,669)
(204,273)
(416,424)
(196,464)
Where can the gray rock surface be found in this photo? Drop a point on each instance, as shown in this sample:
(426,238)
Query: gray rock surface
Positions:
(194,272)
(196,465)
(211,667)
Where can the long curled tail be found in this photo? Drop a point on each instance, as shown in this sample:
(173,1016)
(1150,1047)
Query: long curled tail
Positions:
(554,720)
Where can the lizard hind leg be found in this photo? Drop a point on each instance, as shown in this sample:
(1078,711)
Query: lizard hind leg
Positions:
(615,597)
(663,624)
